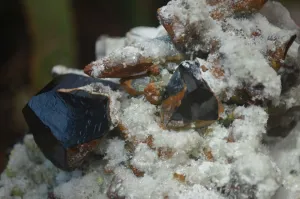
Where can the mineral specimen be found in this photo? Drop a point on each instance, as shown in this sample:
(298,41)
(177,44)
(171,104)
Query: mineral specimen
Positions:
(208,107)
(68,122)
(135,59)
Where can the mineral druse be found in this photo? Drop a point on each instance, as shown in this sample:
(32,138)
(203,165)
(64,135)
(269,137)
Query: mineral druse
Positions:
(204,106)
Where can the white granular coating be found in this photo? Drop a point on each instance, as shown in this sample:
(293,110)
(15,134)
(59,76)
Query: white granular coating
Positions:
(151,51)
(243,58)
(139,117)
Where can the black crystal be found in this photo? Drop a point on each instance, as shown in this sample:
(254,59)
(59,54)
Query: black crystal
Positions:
(199,102)
(62,119)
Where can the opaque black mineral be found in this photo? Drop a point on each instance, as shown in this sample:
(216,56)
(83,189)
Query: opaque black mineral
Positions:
(199,103)
(63,120)
(175,85)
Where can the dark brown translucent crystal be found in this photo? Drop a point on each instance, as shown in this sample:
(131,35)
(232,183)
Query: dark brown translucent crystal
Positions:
(188,101)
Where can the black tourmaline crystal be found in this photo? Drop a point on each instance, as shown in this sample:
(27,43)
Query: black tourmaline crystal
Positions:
(68,122)
(188,99)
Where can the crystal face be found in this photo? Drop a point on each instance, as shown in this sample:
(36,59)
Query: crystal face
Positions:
(188,100)
(62,119)
(198,104)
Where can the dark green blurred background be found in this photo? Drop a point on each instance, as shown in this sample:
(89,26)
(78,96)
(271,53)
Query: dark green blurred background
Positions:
(37,34)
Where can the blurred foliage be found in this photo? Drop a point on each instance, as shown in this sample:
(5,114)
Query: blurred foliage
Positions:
(140,13)
(52,30)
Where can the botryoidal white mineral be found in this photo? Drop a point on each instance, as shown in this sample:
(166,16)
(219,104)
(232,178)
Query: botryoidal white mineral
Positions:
(203,165)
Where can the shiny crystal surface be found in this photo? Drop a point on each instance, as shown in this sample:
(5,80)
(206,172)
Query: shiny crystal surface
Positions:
(60,118)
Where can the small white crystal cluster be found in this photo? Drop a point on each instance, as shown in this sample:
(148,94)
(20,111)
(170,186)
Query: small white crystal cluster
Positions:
(212,163)
(30,175)
(239,168)
(156,50)
(106,45)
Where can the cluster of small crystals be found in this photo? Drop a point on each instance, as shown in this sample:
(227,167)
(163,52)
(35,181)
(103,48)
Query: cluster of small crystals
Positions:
(225,160)
(231,161)
(29,175)
(187,164)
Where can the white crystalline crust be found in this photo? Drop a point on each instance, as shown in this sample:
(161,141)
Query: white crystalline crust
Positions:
(105,45)
(190,12)
(153,51)
(215,163)
(130,49)
(241,57)
(245,162)
(245,63)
